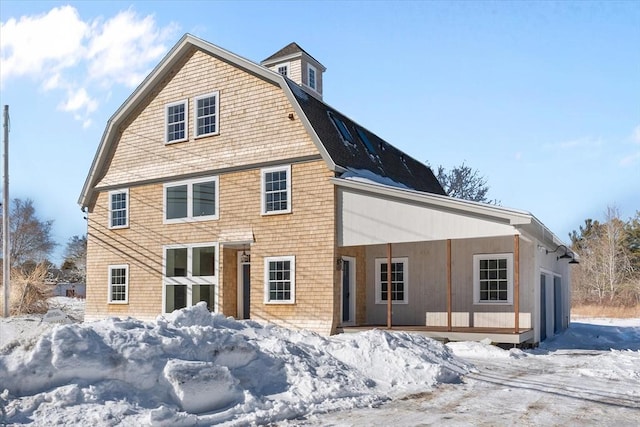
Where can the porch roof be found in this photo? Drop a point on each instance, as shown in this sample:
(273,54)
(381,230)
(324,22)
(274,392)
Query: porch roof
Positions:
(370,213)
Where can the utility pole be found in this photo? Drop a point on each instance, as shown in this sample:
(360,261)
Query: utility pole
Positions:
(6,262)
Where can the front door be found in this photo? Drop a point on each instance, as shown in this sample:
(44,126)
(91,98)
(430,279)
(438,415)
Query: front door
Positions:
(543,307)
(244,285)
(557,304)
(348,300)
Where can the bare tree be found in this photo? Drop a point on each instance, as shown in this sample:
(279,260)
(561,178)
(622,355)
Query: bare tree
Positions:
(74,266)
(606,270)
(464,182)
(30,237)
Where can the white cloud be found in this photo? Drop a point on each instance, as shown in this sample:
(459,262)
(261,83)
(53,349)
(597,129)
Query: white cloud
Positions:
(85,59)
(36,45)
(122,49)
(79,100)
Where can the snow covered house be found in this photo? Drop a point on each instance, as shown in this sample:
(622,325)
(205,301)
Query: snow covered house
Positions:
(231,182)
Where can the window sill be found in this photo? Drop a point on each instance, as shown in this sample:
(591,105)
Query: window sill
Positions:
(492,303)
(279,302)
(204,135)
(271,213)
(118,302)
(119,227)
(392,302)
(192,219)
(176,141)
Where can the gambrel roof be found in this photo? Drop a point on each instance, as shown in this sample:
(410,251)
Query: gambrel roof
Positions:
(316,116)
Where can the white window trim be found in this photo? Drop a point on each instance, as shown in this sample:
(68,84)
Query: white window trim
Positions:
(126,285)
(379,262)
(190,280)
(263,207)
(292,260)
(111,193)
(184,102)
(476,278)
(283,64)
(195,114)
(315,73)
(190,218)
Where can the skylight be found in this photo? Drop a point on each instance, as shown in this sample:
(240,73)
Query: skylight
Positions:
(365,141)
(342,128)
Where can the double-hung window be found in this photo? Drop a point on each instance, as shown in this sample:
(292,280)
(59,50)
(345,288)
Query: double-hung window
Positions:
(399,281)
(190,275)
(119,208)
(176,119)
(280,280)
(493,278)
(207,114)
(276,190)
(192,200)
(119,284)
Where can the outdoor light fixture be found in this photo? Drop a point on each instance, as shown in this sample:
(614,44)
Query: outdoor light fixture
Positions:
(568,254)
(245,257)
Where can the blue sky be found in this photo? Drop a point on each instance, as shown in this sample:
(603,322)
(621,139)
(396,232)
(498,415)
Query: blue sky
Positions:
(543,98)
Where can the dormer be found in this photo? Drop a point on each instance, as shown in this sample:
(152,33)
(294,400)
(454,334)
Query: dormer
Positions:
(292,61)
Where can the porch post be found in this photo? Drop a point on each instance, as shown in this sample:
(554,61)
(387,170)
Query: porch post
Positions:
(449,303)
(389,286)
(516,281)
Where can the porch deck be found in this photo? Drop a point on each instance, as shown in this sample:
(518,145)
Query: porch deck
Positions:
(496,335)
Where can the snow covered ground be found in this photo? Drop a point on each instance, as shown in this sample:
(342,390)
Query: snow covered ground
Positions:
(194,368)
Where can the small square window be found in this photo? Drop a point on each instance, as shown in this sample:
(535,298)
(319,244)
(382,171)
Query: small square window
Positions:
(283,69)
(276,190)
(176,118)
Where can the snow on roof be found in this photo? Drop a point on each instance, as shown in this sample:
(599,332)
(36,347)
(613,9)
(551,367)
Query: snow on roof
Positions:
(193,366)
(363,175)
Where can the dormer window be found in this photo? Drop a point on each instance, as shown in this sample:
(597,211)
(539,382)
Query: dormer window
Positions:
(283,69)
(311,77)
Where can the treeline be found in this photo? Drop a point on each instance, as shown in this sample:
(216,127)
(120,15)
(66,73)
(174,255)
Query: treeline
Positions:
(31,246)
(609,269)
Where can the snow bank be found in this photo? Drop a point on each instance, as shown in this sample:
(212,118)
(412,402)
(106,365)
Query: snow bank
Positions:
(196,367)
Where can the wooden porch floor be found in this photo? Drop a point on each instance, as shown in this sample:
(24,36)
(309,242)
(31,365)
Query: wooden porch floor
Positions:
(496,335)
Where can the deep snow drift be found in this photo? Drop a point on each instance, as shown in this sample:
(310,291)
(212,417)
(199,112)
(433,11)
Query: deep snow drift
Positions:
(196,367)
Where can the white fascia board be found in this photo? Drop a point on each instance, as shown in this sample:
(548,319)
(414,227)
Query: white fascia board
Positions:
(280,59)
(512,216)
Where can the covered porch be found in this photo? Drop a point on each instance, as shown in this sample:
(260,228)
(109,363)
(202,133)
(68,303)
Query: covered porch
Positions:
(432,243)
